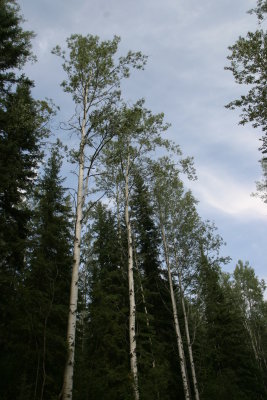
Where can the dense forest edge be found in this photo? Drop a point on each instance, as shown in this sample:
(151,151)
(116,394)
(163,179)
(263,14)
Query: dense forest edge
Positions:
(116,290)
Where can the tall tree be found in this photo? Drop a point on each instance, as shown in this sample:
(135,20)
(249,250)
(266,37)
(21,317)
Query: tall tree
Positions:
(153,318)
(33,351)
(228,360)
(250,293)
(103,347)
(93,80)
(168,192)
(138,135)
(49,278)
(23,128)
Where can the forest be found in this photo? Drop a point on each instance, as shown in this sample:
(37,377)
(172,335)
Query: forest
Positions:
(116,290)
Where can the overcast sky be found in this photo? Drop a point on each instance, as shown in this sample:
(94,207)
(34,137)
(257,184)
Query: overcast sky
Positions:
(186,41)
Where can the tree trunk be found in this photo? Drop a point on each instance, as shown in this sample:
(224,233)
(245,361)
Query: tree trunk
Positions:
(132,314)
(189,345)
(145,307)
(176,321)
(69,367)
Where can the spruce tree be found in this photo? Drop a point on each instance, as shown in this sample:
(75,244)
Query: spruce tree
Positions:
(15,43)
(153,316)
(249,292)
(48,279)
(102,353)
(23,126)
(35,350)
(228,360)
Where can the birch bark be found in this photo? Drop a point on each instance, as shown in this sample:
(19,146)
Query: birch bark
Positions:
(69,367)
(176,321)
(144,303)
(132,313)
(189,344)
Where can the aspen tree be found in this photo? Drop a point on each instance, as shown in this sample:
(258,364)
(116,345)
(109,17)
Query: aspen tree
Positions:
(137,136)
(250,297)
(184,229)
(168,190)
(93,80)
(175,318)
(188,339)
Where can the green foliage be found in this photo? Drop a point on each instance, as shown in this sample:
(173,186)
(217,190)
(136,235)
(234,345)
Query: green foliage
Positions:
(103,339)
(137,136)
(153,301)
(48,280)
(22,124)
(249,291)
(36,318)
(15,45)
(260,9)
(227,317)
(248,64)
(228,366)
(90,65)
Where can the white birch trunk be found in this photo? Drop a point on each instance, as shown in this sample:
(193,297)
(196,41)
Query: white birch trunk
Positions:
(132,314)
(71,331)
(176,321)
(145,307)
(189,344)
(253,340)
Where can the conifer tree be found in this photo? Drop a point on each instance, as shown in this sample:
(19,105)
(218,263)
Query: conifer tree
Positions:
(15,43)
(49,278)
(229,366)
(250,297)
(104,351)
(154,333)
(23,126)
(35,345)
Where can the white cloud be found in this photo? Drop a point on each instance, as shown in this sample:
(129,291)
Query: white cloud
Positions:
(186,41)
(217,189)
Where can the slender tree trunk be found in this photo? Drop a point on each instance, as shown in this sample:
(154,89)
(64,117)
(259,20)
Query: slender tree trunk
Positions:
(253,340)
(118,213)
(176,321)
(189,344)
(69,367)
(132,314)
(145,307)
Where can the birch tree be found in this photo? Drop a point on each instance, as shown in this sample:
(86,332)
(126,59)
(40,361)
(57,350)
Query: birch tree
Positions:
(184,248)
(168,192)
(250,293)
(137,137)
(93,79)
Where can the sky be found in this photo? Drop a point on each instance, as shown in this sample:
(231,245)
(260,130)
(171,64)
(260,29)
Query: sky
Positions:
(186,42)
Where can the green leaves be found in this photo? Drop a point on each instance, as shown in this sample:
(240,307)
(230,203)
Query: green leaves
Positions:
(93,69)
(15,45)
(249,64)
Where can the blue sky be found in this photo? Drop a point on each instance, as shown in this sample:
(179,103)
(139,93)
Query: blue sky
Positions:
(186,42)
